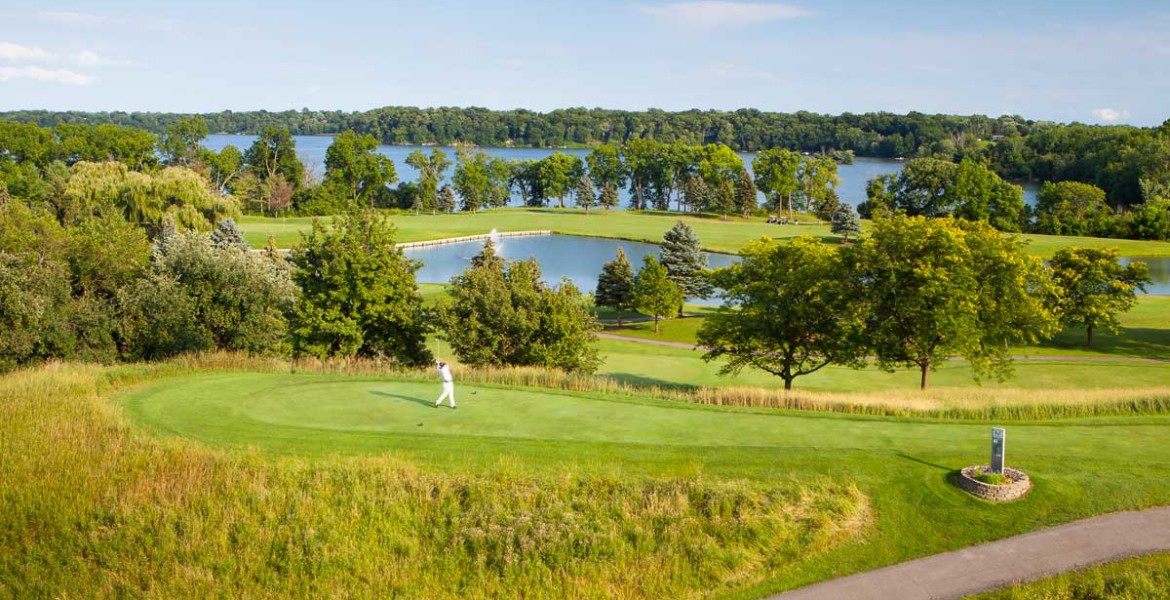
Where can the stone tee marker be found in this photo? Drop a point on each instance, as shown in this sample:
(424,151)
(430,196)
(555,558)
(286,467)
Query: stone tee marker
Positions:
(1014,483)
(997,446)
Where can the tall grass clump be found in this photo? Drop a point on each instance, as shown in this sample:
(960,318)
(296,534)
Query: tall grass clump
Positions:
(90,507)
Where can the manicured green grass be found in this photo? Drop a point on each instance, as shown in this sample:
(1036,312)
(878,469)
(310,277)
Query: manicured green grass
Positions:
(716,234)
(902,465)
(1144,578)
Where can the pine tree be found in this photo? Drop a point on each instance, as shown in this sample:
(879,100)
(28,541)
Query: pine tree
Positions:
(488,257)
(609,197)
(586,198)
(615,285)
(726,198)
(446,199)
(696,193)
(654,293)
(745,194)
(685,263)
(846,222)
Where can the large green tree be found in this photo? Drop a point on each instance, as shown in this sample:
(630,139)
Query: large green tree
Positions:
(789,311)
(430,173)
(776,175)
(559,172)
(1071,208)
(355,170)
(275,153)
(654,293)
(179,144)
(605,167)
(938,287)
(358,293)
(1093,287)
(615,285)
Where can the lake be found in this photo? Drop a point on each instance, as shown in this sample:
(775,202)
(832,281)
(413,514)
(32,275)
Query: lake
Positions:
(580,259)
(311,149)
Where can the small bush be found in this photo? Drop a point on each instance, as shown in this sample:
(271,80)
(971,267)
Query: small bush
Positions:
(990,478)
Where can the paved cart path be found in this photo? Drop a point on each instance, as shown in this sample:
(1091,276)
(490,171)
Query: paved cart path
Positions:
(999,564)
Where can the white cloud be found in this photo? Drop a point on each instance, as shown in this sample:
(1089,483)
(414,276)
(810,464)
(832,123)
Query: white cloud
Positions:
(89,58)
(714,14)
(17,53)
(1110,115)
(44,75)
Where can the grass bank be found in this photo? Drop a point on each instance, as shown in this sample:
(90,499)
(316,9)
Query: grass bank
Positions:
(90,507)
(716,234)
(1142,578)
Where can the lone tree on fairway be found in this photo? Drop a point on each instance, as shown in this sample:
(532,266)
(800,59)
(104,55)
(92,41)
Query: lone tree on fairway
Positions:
(358,293)
(503,315)
(654,293)
(789,311)
(939,287)
(846,222)
(446,199)
(682,255)
(586,197)
(615,285)
(1092,287)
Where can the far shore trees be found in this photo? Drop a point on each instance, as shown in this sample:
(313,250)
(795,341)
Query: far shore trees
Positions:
(615,285)
(501,314)
(358,293)
(789,312)
(654,293)
(1092,287)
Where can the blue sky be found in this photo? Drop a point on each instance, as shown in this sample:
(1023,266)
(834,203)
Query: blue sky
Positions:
(1088,61)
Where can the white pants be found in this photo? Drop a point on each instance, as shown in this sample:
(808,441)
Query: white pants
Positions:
(448,392)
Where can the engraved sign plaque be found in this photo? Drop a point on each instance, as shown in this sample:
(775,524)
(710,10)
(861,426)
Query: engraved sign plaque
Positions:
(997,444)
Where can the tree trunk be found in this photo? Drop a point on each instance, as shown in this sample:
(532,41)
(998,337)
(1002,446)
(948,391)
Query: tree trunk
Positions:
(925,374)
(619,316)
(788,384)
(655,323)
(1089,339)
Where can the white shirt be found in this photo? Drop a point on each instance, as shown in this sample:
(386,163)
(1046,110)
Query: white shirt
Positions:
(445,371)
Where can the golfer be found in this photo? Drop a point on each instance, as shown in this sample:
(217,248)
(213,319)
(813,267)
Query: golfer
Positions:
(448,385)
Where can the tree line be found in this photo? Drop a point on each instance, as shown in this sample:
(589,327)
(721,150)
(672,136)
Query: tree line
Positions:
(269,178)
(1118,159)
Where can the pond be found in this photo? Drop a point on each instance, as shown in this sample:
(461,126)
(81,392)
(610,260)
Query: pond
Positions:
(580,259)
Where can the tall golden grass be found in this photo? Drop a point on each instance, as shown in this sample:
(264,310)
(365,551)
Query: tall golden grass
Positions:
(91,507)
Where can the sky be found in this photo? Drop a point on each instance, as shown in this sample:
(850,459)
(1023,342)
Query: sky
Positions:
(1062,60)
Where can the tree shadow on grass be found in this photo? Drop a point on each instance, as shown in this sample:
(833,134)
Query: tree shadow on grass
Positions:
(923,462)
(633,380)
(414,399)
(1144,342)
